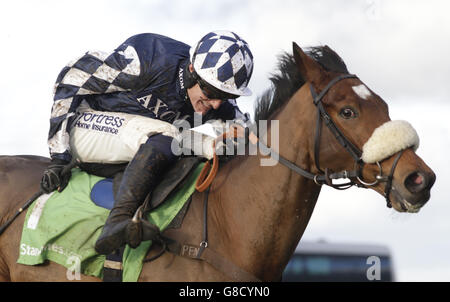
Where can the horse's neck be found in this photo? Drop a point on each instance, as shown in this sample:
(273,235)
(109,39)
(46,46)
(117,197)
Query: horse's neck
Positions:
(262,212)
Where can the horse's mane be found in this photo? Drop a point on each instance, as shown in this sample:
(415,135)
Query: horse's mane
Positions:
(288,79)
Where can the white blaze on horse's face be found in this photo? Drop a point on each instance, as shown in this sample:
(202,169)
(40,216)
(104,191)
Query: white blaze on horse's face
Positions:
(362,91)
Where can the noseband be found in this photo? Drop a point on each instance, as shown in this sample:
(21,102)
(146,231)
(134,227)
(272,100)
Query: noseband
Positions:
(326,177)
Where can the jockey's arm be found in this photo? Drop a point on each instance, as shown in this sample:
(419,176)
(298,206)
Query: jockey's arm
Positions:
(129,68)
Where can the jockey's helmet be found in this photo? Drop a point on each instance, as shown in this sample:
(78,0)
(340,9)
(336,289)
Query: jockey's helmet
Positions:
(223,65)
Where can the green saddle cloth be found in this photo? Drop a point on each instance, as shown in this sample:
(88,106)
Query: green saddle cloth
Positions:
(63,227)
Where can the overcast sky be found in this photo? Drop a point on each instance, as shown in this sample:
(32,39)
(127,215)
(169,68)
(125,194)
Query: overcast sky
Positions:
(400,49)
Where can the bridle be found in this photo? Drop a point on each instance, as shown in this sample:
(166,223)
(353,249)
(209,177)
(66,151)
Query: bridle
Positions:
(326,177)
(323,177)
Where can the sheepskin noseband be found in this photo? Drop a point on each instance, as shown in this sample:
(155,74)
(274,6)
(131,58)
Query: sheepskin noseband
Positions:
(388,139)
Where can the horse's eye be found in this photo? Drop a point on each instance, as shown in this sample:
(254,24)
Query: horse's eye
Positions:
(347,113)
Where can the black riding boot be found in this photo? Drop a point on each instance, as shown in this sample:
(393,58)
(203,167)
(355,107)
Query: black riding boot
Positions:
(139,178)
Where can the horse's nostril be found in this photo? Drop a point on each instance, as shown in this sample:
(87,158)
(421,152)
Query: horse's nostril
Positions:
(418,179)
(416,182)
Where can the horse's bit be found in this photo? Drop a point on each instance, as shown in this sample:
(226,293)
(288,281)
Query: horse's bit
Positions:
(326,177)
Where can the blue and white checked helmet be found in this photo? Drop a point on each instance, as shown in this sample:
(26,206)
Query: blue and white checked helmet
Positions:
(224,60)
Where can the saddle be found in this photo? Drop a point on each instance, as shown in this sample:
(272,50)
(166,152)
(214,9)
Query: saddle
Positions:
(64,226)
(104,191)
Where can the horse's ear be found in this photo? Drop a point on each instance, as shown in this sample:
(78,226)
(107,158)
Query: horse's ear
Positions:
(309,69)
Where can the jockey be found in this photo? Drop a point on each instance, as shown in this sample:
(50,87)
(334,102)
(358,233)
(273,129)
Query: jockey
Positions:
(150,76)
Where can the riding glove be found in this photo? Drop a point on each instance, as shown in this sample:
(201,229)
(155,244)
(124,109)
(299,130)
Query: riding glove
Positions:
(233,143)
(55,176)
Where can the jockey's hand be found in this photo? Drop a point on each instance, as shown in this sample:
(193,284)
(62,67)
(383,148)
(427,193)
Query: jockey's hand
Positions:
(240,133)
(228,143)
(56,176)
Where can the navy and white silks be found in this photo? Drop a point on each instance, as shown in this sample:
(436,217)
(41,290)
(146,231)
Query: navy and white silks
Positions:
(144,76)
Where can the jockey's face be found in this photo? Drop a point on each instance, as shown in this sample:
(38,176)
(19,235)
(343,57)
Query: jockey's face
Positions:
(200,102)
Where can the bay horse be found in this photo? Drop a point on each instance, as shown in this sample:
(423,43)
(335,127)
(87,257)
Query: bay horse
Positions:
(257,214)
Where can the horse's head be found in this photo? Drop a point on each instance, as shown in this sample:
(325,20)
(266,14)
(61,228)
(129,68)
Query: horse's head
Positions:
(378,151)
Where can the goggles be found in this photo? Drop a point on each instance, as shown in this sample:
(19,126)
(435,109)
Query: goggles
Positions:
(212,92)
